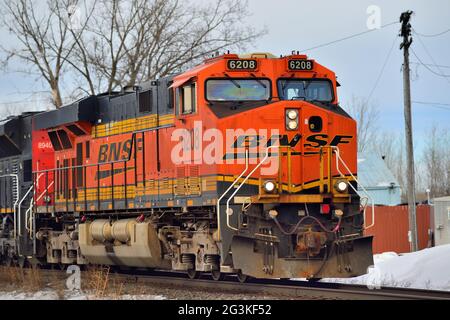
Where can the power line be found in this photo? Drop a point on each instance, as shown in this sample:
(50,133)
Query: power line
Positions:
(432,59)
(427,66)
(432,103)
(349,37)
(382,69)
(442,106)
(431,35)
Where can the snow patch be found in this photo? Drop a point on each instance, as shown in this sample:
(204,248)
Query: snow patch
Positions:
(426,269)
(48,294)
(40,295)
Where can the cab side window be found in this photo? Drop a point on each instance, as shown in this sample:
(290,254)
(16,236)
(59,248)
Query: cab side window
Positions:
(188,98)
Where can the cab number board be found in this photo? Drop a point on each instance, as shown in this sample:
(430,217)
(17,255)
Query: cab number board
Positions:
(241,64)
(300,65)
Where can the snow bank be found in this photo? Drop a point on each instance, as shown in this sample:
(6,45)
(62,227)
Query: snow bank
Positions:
(425,269)
(40,295)
(70,295)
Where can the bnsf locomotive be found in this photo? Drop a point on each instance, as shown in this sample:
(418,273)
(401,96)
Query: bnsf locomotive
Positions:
(242,165)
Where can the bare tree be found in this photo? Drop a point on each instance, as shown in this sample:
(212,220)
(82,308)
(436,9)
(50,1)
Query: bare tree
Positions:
(115,43)
(128,42)
(366,116)
(43,40)
(435,161)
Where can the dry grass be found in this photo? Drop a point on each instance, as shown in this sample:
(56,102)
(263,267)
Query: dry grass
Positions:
(103,284)
(28,279)
(98,282)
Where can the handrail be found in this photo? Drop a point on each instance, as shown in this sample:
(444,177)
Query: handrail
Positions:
(228,190)
(17,199)
(45,191)
(20,209)
(28,219)
(338,158)
(130,153)
(230,213)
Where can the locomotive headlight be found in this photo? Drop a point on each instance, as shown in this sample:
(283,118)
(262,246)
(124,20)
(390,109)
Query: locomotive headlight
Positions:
(292,125)
(341,186)
(291,119)
(269,186)
(292,114)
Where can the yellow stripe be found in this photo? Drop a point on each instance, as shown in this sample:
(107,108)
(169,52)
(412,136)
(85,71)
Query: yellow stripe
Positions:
(255,182)
(169,186)
(131,125)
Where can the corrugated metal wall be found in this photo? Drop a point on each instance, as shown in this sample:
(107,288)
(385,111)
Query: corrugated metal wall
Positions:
(391,228)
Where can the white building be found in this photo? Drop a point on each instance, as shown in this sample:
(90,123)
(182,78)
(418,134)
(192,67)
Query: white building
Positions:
(441,214)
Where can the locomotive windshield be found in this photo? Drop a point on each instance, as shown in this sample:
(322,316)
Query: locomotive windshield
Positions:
(302,89)
(237,90)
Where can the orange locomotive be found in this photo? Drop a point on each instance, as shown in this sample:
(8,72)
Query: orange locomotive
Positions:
(242,165)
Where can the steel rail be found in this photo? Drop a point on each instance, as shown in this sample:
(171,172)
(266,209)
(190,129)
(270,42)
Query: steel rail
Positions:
(293,289)
(282,289)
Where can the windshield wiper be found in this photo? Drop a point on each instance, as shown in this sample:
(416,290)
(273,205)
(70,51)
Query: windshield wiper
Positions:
(259,81)
(307,86)
(286,82)
(233,81)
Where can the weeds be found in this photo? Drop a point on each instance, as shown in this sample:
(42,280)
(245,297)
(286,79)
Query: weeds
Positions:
(28,279)
(101,283)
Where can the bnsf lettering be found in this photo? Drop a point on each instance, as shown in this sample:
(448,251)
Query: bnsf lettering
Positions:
(321,140)
(340,140)
(247,141)
(317,141)
(117,150)
(284,140)
(313,141)
(254,141)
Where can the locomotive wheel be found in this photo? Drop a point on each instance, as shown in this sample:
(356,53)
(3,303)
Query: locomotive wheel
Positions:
(217,275)
(242,277)
(192,274)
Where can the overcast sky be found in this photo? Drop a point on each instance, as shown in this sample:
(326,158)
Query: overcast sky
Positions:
(300,24)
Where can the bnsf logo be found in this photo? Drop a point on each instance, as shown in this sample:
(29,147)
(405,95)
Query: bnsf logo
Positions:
(117,150)
(313,141)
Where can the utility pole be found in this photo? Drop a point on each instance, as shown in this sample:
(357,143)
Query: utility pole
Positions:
(407,40)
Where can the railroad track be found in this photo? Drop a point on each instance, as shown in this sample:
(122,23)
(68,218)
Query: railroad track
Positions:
(288,289)
(284,289)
